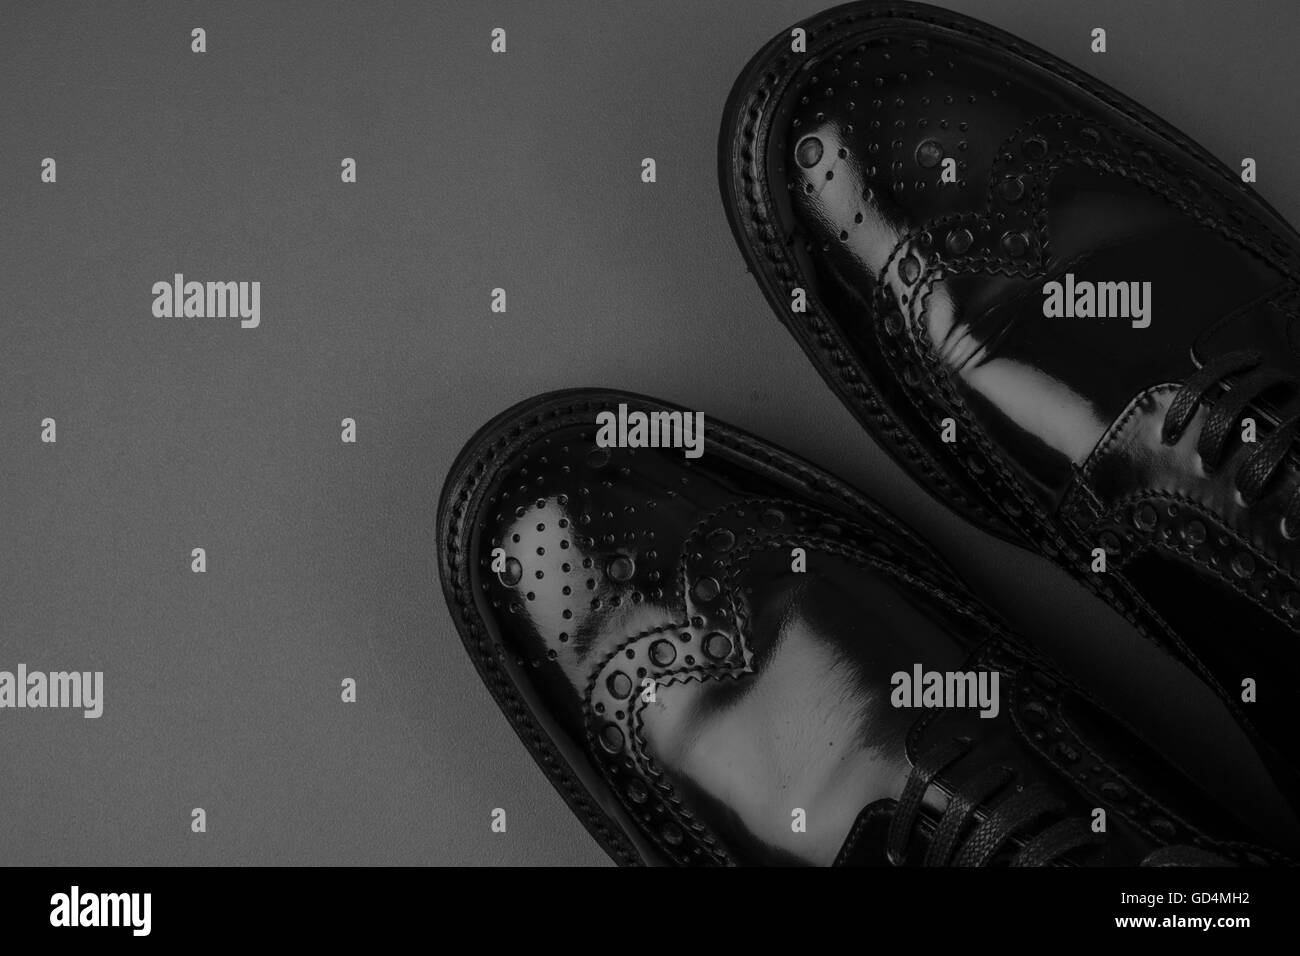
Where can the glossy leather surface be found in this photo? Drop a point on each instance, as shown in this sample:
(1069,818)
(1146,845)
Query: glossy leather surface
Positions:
(926,309)
(771,686)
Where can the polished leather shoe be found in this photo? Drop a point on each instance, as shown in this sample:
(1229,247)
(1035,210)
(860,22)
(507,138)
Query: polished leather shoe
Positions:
(1068,321)
(708,658)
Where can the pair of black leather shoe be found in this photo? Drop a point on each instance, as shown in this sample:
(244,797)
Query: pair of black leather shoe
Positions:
(736,658)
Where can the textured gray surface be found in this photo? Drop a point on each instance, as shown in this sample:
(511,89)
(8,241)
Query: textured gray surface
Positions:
(475,171)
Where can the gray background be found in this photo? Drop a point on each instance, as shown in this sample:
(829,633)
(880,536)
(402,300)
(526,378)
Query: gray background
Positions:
(475,171)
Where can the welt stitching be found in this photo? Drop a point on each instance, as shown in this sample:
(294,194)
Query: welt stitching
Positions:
(504,687)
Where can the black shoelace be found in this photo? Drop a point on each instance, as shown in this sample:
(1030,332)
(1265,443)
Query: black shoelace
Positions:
(1261,464)
(1017,814)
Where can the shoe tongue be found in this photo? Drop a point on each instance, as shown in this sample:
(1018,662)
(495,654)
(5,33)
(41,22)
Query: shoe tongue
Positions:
(976,702)
(868,841)
(997,740)
(1269,325)
(975,706)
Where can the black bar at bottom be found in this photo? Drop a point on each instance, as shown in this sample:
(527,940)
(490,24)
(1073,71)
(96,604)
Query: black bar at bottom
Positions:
(334,905)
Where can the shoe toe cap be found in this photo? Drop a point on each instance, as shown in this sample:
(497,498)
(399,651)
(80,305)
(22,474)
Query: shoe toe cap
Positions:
(901,124)
(574,550)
